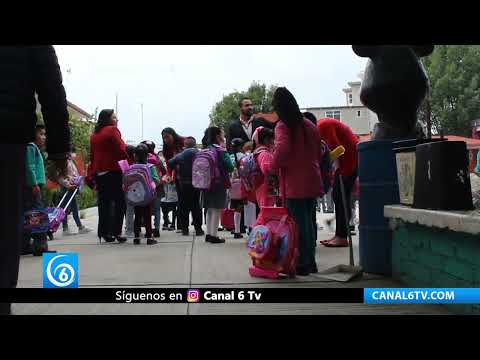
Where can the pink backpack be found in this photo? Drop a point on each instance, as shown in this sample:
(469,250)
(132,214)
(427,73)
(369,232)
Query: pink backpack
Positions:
(138,185)
(273,244)
(205,170)
(249,171)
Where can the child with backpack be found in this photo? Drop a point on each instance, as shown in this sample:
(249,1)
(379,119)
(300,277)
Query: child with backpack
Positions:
(237,198)
(210,174)
(129,214)
(169,203)
(140,181)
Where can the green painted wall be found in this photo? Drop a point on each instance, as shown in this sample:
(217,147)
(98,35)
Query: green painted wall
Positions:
(431,257)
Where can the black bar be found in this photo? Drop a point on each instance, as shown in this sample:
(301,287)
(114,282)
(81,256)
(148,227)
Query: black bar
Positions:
(179,295)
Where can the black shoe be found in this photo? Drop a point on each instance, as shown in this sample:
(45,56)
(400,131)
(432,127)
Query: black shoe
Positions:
(199,232)
(216,240)
(40,252)
(156,233)
(313,268)
(185,233)
(152,242)
(109,239)
(121,239)
(208,238)
(238,236)
(50,235)
(136,241)
(232,232)
(165,228)
(302,270)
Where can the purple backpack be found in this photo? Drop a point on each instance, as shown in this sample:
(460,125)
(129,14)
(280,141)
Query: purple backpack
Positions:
(205,170)
(138,185)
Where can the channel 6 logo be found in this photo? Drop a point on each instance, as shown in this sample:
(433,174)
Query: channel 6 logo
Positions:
(193,295)
(60,270)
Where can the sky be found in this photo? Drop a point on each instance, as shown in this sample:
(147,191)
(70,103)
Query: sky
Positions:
(178,85)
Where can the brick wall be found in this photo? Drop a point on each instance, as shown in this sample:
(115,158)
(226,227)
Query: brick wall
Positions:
(431,257)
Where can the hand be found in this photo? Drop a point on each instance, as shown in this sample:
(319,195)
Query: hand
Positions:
(35,190)
(61,166)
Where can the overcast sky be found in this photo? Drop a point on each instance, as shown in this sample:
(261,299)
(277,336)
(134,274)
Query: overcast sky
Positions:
(178,85)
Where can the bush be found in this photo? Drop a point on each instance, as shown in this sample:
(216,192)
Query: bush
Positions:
(86,199)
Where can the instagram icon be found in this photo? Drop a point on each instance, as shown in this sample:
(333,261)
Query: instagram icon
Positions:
(193,295)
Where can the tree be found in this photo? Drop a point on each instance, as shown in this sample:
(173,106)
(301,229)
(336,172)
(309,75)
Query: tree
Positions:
(227,110)
(454,73)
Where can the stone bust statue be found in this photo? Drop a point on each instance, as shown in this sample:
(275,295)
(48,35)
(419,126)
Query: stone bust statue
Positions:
(394,86)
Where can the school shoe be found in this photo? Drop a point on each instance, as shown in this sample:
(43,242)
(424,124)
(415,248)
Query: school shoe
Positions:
(156,233)
(199,232)
(108,239)
(121,239)
(165,228)
(313,268)
(151,241)
(216,240)
(302,270)
(136,241)
(238,236)
(84,230)
(185,233)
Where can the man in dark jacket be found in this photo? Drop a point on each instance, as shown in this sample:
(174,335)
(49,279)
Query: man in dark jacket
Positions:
(245,125)
(189,197)
(25,70)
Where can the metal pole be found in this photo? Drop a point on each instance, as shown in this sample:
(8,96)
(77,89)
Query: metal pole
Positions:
(142,122)
(116,103)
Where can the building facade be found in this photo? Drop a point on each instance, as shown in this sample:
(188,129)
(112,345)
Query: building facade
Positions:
(354,114)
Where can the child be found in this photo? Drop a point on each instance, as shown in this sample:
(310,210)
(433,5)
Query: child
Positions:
(154,159)
(216,198)
(250,207)
(68,185)
(169,204)
(247,147)
(266,192)
(35,180)
(237,204)
(143,214)
(129,214)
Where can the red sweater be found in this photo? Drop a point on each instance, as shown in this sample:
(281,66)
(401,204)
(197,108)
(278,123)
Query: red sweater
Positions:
(335,133)
(106,150)
(298,157)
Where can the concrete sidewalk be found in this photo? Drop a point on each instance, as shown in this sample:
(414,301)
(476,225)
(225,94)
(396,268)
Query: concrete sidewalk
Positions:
(188,261)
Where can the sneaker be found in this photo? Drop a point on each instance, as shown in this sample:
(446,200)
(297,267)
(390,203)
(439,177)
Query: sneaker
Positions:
(136,241)
(152,242)
(84,230)
(156,233)
(238,236)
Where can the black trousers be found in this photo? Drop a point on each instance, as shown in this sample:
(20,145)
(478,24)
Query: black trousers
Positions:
(166,209)
(189,202)
(111,204)
(12,182)
(348,182)
(143,215)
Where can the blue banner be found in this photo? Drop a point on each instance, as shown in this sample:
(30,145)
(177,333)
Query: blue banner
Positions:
(421,296)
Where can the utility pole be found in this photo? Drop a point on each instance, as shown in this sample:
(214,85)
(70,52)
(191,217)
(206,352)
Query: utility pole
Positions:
(116,104)
(142,121)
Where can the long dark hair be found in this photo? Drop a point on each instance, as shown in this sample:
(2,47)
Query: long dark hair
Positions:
(287,108)
(210,136)
(104,119)
(177,140)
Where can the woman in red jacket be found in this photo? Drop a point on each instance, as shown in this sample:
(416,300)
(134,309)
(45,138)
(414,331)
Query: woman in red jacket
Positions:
(335,133)
(106,149)
(297,156)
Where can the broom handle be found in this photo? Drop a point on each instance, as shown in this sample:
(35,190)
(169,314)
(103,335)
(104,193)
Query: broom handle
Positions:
(347,220)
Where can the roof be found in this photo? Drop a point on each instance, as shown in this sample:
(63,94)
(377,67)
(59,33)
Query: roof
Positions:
(472,144)
(79,110)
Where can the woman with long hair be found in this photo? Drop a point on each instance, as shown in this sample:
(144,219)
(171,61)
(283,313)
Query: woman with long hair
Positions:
(215,199)
(106,149)
(297,138)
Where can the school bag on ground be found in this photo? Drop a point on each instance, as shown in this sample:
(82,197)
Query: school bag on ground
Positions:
(227,219)
(138,184)
(273,243)
(38,221)
(205,169)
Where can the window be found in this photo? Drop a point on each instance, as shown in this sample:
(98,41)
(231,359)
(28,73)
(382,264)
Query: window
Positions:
(335,114)
(350,98)
(359,113)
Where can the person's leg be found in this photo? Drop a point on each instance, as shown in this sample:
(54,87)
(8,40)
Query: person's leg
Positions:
(130,213)
(11,215)
(104,205)
(215,218)
(156,210)
(301,210)
(183,208)
(75,214)
(166,222)
(137,222)
(196,210)
(65,219)
(147,215)
(118,198)
(209,222)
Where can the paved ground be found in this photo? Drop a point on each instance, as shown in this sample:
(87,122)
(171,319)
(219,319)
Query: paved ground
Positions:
(181,261)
